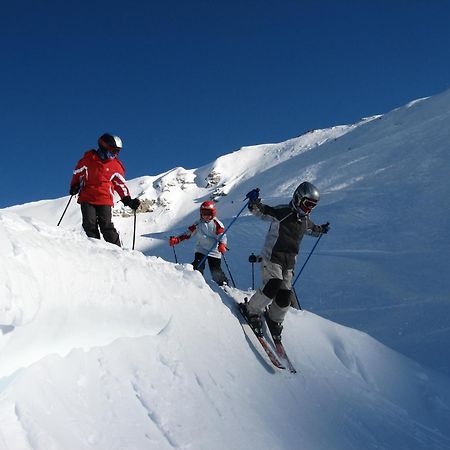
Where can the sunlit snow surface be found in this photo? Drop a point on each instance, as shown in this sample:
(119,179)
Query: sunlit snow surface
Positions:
(104,348)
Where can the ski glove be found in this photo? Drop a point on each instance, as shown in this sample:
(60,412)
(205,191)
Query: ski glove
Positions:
(325,227)
(74,189)
(173,240)
(222,247)
(253,195)
(133,203)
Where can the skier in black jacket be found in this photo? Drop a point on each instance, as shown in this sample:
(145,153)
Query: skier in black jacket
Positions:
(289,223)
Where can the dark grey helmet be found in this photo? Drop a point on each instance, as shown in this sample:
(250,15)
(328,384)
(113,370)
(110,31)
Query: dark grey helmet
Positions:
(305,197)
(109,146)
(108,142)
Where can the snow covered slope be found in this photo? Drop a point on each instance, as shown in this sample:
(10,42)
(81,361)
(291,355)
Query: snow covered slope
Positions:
(103,348)
(385,189)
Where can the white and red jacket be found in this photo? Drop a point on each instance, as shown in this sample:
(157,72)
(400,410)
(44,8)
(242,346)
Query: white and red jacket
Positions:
(99,179)
(207,234)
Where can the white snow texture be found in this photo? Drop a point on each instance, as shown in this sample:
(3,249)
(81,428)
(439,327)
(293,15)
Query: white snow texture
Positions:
(104,348)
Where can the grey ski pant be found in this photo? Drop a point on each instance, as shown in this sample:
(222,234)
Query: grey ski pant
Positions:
(259,300)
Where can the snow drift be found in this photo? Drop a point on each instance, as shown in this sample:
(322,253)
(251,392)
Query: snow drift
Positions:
(110,349)
(385,189)
(106,348)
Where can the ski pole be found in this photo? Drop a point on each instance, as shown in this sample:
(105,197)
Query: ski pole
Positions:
(307,259)
(68,203)
(175,254)
(252,259)
(220,236)
(296,298)
(134,230)
(231,276)
(253,275)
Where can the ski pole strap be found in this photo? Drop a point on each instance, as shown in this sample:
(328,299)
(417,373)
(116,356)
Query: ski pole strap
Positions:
(307,259)
(220,236)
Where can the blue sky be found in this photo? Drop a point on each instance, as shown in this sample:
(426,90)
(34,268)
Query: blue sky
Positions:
(185,82)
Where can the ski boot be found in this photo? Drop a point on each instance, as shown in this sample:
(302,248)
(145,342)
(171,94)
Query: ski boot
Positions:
(254,320)
(275,328)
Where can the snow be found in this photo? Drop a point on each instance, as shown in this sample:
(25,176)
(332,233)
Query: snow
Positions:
(109,348)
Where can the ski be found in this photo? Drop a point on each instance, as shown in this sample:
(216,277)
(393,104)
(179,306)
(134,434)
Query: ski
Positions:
(262,341)
(273,359)
(258,342)
(281,352)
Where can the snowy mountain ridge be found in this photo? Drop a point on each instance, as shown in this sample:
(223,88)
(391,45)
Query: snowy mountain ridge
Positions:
(385,190)
(123,346)
(223,175)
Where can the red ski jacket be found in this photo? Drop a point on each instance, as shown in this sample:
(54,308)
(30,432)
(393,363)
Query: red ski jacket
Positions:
(99,179)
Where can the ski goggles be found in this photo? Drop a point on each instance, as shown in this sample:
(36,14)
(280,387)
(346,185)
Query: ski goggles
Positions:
(308,203)
(207,213)
(111,154)
(114,150)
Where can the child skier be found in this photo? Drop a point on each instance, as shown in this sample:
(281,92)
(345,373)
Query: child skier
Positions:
(210,239)
(96,176)
(289,224)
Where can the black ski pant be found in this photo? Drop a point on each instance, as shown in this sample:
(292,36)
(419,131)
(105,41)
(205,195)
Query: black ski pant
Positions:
(214,266)
(96,219)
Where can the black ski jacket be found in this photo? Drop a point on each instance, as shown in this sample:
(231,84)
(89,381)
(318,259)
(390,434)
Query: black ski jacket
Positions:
(285,233)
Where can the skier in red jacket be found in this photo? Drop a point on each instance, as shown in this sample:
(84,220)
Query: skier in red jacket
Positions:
(96,176)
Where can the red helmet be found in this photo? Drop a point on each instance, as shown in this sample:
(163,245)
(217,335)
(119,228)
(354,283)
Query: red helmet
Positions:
(208,209)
